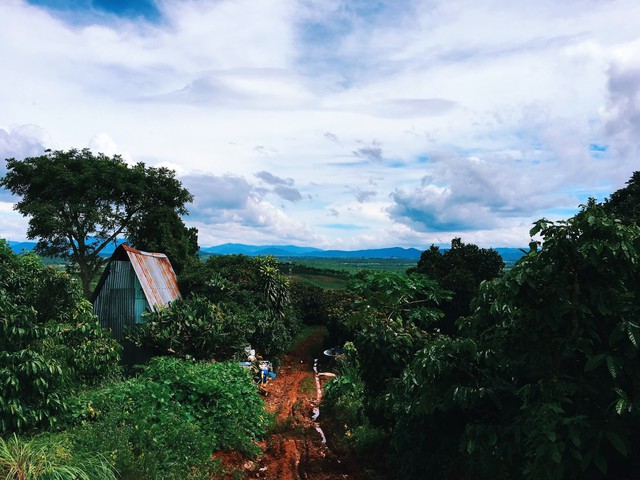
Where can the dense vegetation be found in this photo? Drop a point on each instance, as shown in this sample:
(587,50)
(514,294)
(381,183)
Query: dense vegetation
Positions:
(459,269)
(232,301)
(454,368)
(50,343)
(62,391)
(539,380)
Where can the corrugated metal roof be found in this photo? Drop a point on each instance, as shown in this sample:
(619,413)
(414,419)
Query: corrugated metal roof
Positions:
(156,276)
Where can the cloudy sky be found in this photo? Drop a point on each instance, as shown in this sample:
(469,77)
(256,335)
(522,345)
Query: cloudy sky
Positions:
(336,123)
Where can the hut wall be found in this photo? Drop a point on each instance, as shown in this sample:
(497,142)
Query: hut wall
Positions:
(118,303)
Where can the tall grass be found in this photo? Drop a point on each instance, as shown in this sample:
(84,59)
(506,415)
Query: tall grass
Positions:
(49,458)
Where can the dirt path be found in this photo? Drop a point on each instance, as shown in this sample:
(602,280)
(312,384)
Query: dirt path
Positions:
(295,450)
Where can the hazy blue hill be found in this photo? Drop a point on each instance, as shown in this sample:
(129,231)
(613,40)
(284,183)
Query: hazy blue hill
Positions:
(239,248)
(231,248)
(509,255)
(18,247)
(394,252)
(294,251)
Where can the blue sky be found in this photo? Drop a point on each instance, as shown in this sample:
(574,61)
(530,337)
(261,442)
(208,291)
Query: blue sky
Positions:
(336,123)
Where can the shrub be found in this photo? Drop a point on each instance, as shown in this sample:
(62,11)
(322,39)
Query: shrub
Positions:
(50,342)
(166,422)
(251,291)
(193,328)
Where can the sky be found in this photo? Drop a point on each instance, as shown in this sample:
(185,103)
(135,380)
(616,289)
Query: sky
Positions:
(337,124)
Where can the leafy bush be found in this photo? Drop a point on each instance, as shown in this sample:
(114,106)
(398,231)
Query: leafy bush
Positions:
(313,304)
(544,382)
(50,342)
(165,423)
(393,316)
(344,395)
(250,291)
(193,328)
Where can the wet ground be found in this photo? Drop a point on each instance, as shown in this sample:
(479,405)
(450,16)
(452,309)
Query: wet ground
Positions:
(296,449)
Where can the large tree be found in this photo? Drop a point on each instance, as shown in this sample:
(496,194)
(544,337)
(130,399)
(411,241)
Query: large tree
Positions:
(79,202)
(460,269)
(162,230)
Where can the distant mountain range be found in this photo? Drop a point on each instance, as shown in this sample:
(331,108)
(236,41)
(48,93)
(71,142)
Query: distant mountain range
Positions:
(509,255)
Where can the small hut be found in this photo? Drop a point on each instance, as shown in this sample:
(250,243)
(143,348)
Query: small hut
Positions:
(133,282)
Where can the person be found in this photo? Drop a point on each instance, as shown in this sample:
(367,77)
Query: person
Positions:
(264,375)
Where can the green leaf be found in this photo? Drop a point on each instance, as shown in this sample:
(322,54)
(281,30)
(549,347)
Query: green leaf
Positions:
(594,362)
(617,442)
(633,331)
(621,406)
(612,365)
(601,463)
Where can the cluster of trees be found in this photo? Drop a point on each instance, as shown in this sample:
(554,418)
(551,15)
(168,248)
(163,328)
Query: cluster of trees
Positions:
(455,368)
(66,408)
(232,301)
(538,378)
(78,203)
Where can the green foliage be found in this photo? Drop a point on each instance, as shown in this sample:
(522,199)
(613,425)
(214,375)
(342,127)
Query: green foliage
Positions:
(344,402)
(162,230)
(193,328)
(344,395)
(624,204)
(544,381)
(47,458)
(390,316)
(541,380)
(460,269)
(79,203)
(50,342)
(391,319)
(251,291)
(165,423)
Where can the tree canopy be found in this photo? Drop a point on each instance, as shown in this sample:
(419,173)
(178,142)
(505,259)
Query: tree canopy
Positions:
(460,269)
(79,203)
(162,230)
(625,203)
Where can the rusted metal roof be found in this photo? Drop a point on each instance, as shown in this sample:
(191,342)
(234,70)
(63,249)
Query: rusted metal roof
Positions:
(156,276)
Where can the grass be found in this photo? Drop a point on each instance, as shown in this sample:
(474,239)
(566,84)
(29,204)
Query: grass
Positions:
(307,386)
(49,457)
(353,265)
(322,281)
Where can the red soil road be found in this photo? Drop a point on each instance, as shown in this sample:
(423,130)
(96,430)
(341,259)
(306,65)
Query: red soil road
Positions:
(295,450)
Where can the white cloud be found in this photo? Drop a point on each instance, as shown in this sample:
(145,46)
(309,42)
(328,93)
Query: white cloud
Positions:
(22,141)
(622,113)
(471,117)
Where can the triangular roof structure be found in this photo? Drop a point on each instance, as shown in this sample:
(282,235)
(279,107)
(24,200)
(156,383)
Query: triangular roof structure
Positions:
(154,272)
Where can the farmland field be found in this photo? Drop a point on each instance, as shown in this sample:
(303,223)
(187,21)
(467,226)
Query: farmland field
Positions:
(353,265)
(333,273)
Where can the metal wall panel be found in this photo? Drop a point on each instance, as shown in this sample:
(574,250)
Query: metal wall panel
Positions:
(115,303)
